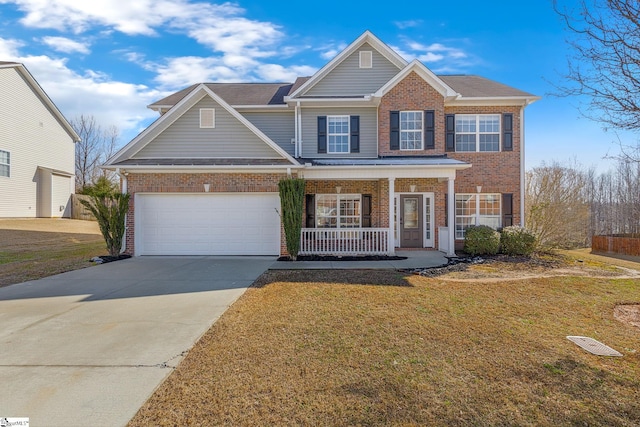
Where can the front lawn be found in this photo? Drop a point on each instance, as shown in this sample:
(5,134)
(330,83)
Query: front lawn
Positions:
(383,348)
(35,248)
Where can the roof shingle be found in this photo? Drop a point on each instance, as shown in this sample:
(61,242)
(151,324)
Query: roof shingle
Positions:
(469,86)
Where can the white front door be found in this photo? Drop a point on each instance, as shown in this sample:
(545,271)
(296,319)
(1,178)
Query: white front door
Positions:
(425,216)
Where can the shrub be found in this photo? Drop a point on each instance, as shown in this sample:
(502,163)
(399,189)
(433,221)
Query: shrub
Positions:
(291,202)
(515,240)
(481,240)
(110,212)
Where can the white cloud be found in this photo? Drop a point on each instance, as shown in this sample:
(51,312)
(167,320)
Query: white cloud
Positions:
(220,27)
(9,49)
(441,58)
(65,45)
(184,71)
(329,51)
(278,73)
(408,24)
(112,102)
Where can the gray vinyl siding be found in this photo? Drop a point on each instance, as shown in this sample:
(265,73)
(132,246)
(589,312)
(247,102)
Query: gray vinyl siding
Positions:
(368,131)
(34,137)
(349,79)
(229,139)
(278,126)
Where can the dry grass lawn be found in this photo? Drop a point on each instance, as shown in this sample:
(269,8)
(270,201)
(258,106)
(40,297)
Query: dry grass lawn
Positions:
(382,348)
(35,248)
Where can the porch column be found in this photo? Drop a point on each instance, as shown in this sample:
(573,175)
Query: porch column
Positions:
(451,214)
(391,241)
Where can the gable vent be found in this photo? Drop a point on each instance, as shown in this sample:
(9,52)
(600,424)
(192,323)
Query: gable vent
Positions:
(207,118)
(366,59)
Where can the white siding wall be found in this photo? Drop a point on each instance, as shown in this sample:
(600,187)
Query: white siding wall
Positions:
(229,139)
(35,138)
(279,126)
(368,131)
(349,79)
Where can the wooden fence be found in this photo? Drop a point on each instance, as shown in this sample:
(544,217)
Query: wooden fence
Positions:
(618,244)
(78,211)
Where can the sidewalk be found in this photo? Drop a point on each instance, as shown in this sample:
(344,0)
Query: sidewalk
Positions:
(415,259)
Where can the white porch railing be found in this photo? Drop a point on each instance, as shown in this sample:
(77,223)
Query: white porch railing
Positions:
(344,241)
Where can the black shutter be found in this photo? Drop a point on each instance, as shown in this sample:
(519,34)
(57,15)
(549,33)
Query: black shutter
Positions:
(394,130)
(355,134)
(507,210)
(322,134)
(429,130)
(446,210)
(311,210)
(507,132)
(366,210)
(450,129)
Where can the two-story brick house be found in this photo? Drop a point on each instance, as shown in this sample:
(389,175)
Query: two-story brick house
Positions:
(393,156)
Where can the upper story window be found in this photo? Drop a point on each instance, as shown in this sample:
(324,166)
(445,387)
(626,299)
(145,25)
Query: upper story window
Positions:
(5,163)
(411,130)
(477,209)
(338,134)
(477,132)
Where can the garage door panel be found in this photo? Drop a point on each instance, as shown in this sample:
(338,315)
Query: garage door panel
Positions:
(207,224)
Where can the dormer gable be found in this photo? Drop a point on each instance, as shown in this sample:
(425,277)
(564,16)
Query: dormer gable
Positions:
(426,74)
(359,70)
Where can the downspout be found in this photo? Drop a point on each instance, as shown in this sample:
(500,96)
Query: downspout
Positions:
(295,130)
(522,171)
(299,125)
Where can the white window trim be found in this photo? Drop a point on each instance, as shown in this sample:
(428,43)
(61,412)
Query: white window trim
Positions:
(412,131)
(476,215)
(364,61)
(213,118)
(338,197)
(7,164)
(477,133)
(348,134)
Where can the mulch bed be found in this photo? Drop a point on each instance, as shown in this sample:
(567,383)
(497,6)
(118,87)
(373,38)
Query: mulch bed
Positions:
(103,259)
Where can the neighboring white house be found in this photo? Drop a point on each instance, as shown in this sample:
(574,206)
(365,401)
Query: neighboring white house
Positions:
(37,149)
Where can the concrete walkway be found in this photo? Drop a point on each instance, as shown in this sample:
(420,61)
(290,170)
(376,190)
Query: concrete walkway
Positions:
(88,347)
(415,259)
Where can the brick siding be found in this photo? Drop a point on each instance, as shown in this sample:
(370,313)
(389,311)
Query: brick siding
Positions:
(194,183)
(496,172)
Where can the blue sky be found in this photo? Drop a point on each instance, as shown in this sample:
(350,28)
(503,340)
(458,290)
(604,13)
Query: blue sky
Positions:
(111,58)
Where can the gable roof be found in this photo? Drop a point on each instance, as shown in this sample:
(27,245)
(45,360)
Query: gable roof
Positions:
(234,94)
(470,86)
(425,73)
(35,86)
(366,37)
(197,93)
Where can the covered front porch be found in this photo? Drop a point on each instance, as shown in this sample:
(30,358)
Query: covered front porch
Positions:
(373,207)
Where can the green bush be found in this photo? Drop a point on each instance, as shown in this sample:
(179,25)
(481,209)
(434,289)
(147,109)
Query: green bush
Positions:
(517,240)
(110,212)
(481,240)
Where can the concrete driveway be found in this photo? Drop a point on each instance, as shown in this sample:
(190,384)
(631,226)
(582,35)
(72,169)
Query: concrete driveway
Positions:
(88,347)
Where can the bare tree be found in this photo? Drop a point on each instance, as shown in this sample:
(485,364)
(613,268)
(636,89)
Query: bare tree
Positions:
(557,205)
(566,205)
(605,64)
(95,147)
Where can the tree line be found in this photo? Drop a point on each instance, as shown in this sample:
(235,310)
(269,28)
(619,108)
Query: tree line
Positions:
(567,204)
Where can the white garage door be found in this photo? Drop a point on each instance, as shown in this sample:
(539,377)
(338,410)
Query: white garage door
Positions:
(207,224)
